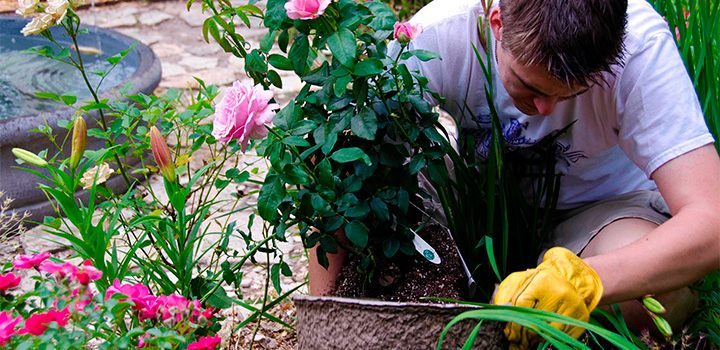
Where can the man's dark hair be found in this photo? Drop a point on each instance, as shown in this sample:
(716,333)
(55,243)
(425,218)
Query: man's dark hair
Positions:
(577,40)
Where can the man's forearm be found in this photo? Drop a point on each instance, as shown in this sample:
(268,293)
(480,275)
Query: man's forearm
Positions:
(677,253)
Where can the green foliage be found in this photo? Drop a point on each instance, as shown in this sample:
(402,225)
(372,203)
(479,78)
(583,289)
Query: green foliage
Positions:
(539,322)
(339,152)
(696,24)
(158,237)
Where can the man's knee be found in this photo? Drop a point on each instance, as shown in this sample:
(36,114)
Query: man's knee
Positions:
(617,235)
(680,303)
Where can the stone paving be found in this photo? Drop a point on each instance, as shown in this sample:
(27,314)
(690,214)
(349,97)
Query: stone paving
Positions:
(175,36)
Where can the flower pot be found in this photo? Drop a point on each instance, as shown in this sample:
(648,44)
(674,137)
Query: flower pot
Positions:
(344,323)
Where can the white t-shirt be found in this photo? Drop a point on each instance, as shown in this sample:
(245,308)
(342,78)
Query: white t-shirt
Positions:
(647,114)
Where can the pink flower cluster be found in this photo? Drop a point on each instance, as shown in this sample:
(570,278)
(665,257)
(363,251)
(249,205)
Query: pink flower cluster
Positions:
(173,308)
(35,325)
(243,113)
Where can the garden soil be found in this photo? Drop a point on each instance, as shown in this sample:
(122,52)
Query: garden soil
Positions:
(410,278)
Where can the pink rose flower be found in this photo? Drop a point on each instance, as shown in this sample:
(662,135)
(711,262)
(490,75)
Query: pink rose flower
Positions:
(8,281)
(144,303)
(87,273)
(205,343)
(62,270)
(132,291)
(7,326)
(404,32)
(306,9)
(30,261)
(242,114)
(143,338)
(172,306)
(37,324)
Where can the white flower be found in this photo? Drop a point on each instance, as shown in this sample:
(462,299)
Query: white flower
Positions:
(98,174)
(58,9)
(27,7)
(38,25)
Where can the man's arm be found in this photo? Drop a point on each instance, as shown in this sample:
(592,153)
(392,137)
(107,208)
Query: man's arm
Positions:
(683,249)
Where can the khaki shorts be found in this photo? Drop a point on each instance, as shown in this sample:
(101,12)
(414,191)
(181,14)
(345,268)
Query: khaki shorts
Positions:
(579,226)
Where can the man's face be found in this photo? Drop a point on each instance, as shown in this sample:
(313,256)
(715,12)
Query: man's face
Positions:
(533,90)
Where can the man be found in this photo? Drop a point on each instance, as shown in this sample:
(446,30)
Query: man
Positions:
(641,178)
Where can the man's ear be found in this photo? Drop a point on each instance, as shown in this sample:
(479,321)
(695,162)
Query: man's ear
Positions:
(496,22)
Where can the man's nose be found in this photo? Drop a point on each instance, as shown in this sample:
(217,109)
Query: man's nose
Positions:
(545,104)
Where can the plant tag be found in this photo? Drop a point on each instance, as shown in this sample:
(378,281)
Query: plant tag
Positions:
(425,249)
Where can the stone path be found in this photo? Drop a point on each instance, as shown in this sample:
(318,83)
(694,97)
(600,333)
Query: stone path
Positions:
(175,36)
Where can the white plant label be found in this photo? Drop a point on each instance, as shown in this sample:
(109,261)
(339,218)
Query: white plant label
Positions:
(425,249)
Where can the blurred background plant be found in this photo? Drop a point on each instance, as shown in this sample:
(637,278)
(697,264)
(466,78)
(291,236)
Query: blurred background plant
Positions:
(11,223)
(696,24)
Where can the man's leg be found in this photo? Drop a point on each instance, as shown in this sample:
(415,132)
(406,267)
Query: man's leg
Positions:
(679,303)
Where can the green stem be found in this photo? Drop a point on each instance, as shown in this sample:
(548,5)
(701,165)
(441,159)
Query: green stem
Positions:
(103,123)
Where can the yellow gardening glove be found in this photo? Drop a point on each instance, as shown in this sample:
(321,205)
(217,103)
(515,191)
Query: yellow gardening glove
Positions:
(563,283)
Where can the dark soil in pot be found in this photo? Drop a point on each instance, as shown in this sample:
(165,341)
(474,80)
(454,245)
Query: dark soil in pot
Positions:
(409,278)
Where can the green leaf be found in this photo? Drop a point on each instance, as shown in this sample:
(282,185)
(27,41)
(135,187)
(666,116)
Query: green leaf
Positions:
(296,141)
(368,67)
(274,78)
(275,13)
(280,62)
(270,197)
(299,52)
(253,62)
(364,124)
(390,247)
(380,209)
(287,116)
(416,164)
(358,211)
(357,233)
(422,55)
(346,155)
(324,171)
(342,45)
(275,277)
(294,174)
(69,99)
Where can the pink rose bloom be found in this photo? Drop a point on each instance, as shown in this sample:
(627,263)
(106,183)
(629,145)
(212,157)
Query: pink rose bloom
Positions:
(87,273)
(242,114)
(306,9)
(172,306)
(37,324)
(133,291)
(200,315)
(30,261)
(141,340)
(404,32)
(205,343)
(145,304)
(62,270)
(8,281)
(7,326)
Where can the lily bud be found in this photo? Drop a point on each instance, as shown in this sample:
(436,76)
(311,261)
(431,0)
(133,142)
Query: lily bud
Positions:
(162,155)
(29,157)
(663,326)
(653,305)
(79,141)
